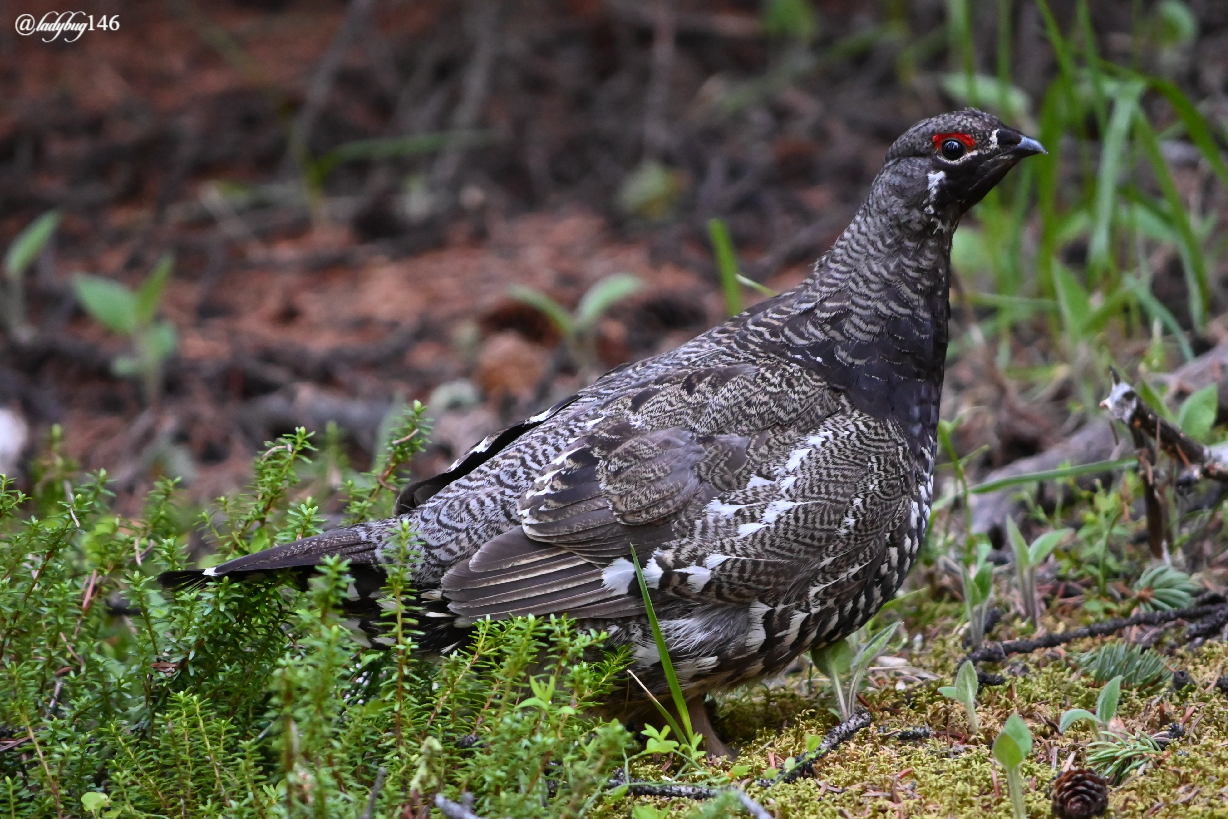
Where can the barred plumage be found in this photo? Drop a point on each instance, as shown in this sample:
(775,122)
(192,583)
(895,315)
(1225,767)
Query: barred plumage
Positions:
(774,475)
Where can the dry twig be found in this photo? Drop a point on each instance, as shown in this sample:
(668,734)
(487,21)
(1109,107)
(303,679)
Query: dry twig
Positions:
(804,763)
(1198,462)
(1196,615)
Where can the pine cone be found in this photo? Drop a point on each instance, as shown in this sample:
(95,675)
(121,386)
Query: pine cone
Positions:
(1080,794)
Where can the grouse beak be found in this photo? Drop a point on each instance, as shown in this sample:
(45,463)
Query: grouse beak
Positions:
(1027,147)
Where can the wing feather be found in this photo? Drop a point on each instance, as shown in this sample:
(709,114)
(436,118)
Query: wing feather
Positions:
(643,478)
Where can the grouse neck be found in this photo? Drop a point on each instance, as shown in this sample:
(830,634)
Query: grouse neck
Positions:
(872,317)
(890,246)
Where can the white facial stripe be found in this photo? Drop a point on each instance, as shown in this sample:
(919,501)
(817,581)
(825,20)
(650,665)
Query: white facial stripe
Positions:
(935,180)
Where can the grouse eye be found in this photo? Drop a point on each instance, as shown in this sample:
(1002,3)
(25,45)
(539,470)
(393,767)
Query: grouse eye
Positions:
(952,149)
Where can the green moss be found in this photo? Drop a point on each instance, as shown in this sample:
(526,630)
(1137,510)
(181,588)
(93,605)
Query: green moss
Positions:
(951,774)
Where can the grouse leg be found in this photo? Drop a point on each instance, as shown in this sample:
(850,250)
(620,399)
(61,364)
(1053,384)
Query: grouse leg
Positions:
(701,723)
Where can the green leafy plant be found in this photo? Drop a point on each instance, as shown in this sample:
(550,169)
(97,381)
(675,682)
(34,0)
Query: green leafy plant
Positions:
(1028,559)
(134,314)
(1197,413)
(1162,588)
(1011,749)
(977,582)
(851,658)
(24,249)
(1102,523)
(579,330)
(1138,667)
(1106,709)
(964,692)
(254,700)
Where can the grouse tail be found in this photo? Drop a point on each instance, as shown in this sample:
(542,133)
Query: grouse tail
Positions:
(303,554)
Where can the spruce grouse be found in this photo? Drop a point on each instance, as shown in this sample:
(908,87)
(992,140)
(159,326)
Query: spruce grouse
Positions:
(774,475)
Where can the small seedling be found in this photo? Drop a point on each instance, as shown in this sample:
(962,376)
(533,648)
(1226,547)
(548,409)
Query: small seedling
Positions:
(21,254)
(133,314)
(838,660)
(1162,588)
(1119,755)
(1106,709)
(1011,748)
(1027,561)
(964,691)
(1138,667)
(977,583)
(579,330)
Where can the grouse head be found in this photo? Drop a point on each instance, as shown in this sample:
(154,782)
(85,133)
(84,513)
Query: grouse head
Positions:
(944,165)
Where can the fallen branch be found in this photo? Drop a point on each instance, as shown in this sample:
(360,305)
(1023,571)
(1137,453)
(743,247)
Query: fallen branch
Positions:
(1208,626)
(998,652)
(482,24)
(803,764)
(670,790)
(665,790)
(1094,442)
(1197,461)
(323,77)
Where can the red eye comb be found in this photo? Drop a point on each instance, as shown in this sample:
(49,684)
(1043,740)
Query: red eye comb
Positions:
(968,141)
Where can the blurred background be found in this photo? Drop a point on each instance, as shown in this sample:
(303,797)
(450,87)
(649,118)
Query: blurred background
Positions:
(225,220)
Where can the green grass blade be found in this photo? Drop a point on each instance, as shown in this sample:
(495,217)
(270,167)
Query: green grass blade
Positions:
(1191,254)
(1052,475)
(667,666)
(1112,160)
(387,148)
(726,265)
(1087,34)
(1061,49)
(1195,125)
(761,289)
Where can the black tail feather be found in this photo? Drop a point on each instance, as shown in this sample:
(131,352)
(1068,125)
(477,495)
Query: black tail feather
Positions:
(185,580)
(302,554)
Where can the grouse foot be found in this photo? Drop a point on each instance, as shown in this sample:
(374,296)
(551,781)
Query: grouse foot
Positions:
(701,723)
